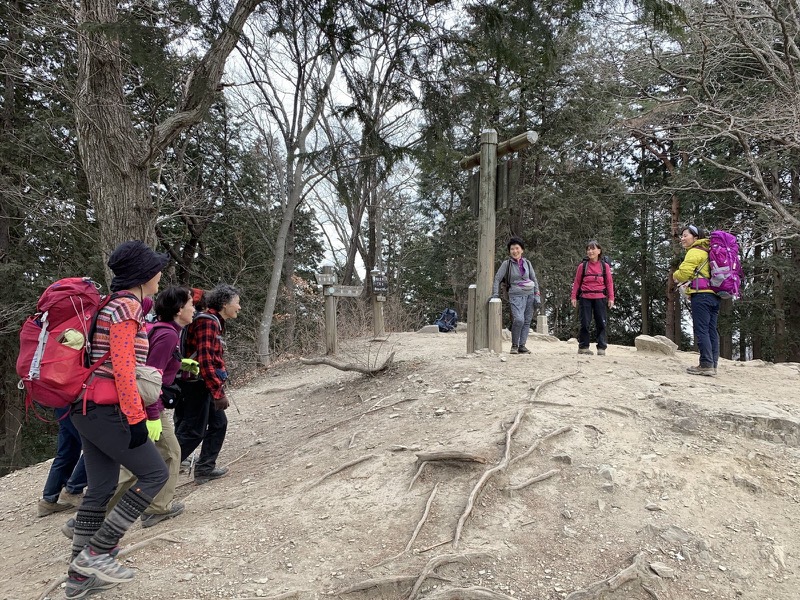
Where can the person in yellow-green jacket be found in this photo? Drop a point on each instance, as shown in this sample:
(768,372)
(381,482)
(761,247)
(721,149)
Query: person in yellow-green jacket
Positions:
(694,273)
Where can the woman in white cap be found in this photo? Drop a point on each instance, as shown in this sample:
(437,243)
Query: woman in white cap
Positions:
(112,423)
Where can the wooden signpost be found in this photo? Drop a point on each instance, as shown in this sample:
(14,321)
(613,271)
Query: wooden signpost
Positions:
(331,291)
(481,329)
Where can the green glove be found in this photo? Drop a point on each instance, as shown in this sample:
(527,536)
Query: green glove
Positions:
(191,366)
(154,429)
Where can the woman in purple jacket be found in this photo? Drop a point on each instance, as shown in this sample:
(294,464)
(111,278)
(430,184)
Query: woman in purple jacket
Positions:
(174,310)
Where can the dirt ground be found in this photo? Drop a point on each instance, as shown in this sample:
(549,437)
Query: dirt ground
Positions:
(656,484)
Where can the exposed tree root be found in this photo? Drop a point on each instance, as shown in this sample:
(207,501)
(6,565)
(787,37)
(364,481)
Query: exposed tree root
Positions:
(417,474)
(438,561)
(506,460)
(639,571)
(324,360)
(470,593)
(342,468)
(538,442)
(417,529)
(358,416)
(381,582)
(538,478)
(454,455)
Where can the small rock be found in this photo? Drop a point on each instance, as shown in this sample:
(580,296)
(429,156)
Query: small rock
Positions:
(606,472)
(601,505)
(654,507)
(663,570)
(562,458)
(440,411)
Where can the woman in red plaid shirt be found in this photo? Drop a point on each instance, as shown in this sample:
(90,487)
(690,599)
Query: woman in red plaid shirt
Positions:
(203,417)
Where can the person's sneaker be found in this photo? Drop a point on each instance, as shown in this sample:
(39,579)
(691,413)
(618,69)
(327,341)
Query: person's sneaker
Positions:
(216,473)
(523,350)
(103,566)
(707,371)
(175,509)
(79,586)
(185,465)
(68,528)
(514,350)
(44,508)
(72,499)
(585,351)
(601,352)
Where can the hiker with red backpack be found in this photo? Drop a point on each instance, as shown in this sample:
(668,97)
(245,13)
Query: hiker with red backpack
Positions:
(593,288)
(694,275)
(111,419)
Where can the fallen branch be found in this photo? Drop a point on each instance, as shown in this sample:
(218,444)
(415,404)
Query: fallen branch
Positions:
(358,416)
(342,468)
(470,593)
(429,548)
(238,458)
(613,411)
(352,440)
(638,571)
(324,360)
(542,477)
(438,561)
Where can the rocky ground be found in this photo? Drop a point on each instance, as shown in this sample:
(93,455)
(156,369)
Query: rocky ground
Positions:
(625,478)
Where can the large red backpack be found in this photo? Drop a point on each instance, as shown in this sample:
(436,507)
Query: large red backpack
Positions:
(53,373)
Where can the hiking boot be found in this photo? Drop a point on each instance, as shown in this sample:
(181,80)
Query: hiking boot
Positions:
(601,352)
(514,349)
(216,473)
(103,566)
(68,528)
(79,586)
(44,508)
(185,466)
(585,351)
(72,499)
(707,371)
(175,509)
(523,350)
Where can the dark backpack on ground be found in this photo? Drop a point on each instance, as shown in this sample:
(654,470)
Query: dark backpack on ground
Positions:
(603,261)
(55,344)
(447,321)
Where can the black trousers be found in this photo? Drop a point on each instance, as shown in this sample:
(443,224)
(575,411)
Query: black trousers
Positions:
(200,423)
(592,307)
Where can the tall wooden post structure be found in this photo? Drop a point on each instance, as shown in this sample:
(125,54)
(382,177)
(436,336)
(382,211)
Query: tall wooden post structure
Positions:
(480,334)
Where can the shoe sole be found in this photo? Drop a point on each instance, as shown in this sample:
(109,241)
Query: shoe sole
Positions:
(105,585)
(162,517)
(101,575)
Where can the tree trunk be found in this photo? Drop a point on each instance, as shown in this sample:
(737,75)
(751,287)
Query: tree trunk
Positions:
(758,322)
(778,290)
(289,263)
(643,236)
(673,308)
(726,329)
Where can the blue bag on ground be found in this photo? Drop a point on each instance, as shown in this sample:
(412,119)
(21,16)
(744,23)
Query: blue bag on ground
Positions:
(447,321)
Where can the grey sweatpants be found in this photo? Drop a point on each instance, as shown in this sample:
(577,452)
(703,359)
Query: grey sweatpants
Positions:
(521,315)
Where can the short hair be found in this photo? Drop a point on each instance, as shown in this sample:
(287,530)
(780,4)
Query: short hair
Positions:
(594,244)
(170,302)
(221,295)
(515,240)
(694,230)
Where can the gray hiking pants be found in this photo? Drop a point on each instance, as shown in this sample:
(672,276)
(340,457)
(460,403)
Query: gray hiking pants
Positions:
(521,315)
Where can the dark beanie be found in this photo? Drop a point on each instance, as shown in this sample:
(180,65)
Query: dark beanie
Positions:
(134,263)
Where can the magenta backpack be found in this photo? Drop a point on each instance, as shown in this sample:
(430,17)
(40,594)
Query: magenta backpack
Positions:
(724,263)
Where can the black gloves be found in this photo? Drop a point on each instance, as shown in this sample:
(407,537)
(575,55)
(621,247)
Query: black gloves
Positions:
(138,434)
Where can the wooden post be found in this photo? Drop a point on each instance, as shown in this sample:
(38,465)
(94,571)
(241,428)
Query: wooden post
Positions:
(541,324)
(378,299)
(495,325)
(331,338)
(471,319)
(486,233)
(478,324)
